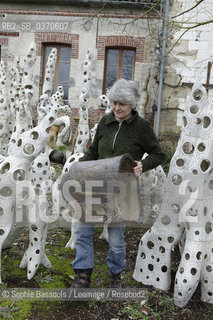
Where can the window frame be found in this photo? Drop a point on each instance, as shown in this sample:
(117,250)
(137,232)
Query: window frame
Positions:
(121,49)
(56,45)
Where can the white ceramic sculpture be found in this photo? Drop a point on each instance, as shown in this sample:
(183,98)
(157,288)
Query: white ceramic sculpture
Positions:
(186,209)
(25,174)
(65,214)
(151,189)
(15,98)
(65,135)
(83,126)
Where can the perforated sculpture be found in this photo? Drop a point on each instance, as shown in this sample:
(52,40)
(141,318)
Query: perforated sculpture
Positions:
(65,215)
(25,171)
(186,211)
(16,98)
(151,189)
(83,126)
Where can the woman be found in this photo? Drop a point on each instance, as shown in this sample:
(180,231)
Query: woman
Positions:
(122,131)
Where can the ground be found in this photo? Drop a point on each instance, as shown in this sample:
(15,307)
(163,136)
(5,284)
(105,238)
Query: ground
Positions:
(158,305)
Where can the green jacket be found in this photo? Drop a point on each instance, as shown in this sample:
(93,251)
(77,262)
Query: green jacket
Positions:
(134,136)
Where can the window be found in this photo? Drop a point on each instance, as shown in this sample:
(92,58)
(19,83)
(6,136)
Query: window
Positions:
(62,70)
(119,63)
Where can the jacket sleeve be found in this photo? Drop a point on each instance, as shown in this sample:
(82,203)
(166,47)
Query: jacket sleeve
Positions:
(156,156)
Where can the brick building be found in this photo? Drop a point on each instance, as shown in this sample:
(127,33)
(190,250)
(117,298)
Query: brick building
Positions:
(119,33)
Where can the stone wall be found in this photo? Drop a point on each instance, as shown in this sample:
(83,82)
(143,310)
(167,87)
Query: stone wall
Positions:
(187,63)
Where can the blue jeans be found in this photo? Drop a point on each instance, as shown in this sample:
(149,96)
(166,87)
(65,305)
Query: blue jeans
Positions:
(84,247)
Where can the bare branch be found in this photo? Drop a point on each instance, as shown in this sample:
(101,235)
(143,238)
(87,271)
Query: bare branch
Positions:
(190,9)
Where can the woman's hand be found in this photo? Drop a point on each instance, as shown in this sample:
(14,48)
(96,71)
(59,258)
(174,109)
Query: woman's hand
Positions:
(138,169)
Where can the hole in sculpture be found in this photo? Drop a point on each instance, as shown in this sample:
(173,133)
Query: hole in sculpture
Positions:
(34,227)
(176,179)
(51,119)
(141,270)
(194,171)
(19,142)
(180,162)
(35,239)
(184,121)
(1,232)
(150,245)
(157,279)
(197,94)
(187,256)
(164,269)
(197,121)
(150,267)
(181,270)
(162,249)
(30,259)
(201,147)
(197,233)
(211,184)
(205,165)
(184,280)
(194,109)
(19,175)
(193,212)
(210,293)
(1,211)
(192,186)
(6,191)
(39,165)
(159,238)
(199,255)
(180,294)
(193,271)
(209,269)
(37,251)
(206,122)
(143,256)
(175,207)
(188,148)
(34,135)
(29,148)
(170,239)
(5,168)
(208,227)
(165,220)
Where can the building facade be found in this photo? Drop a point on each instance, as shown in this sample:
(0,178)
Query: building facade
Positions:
(120,34)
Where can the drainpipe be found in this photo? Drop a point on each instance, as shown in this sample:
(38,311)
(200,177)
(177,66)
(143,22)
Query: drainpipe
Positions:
(162,63)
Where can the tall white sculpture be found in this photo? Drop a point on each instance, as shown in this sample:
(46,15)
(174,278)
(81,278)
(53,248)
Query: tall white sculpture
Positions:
(186,209)
(25,174)
(83,126)
(15,98)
